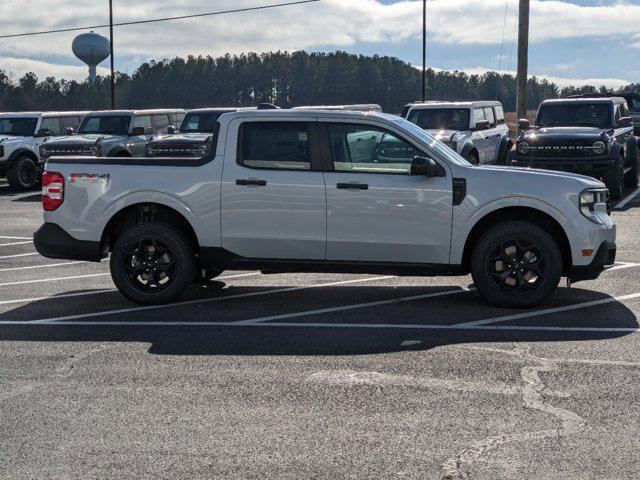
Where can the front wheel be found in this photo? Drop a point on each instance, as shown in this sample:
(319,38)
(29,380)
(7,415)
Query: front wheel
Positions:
(614,178)
(152,264)
(473,158)
(516,264)
(632,178)
(23,173)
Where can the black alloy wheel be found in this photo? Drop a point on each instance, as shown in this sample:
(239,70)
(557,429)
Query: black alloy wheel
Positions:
(149,265)
(517,266)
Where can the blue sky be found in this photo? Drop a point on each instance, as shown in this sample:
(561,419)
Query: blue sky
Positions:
(572,41)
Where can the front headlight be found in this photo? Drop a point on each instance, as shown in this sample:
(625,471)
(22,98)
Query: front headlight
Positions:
(590,200)
(202,150)
(523,148)
(43,152)
(599,148)
(1,151)
(95,150)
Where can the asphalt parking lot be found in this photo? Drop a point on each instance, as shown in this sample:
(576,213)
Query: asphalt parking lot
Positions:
(313,376)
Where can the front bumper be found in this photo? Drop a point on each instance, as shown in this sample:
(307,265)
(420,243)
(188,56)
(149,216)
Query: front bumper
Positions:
(52,241)
(605,257)
(590,166)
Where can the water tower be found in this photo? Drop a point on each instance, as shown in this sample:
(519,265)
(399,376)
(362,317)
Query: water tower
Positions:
(92,49)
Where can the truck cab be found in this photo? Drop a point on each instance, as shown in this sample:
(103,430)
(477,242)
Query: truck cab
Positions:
(113,133)
(475,130)
(21,135)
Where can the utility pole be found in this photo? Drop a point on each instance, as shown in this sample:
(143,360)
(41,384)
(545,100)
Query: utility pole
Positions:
(523,59)
(113,79)
(424,50)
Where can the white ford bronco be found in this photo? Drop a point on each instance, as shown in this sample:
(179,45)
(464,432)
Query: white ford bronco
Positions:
(475,130)
(325,191)
(20,137)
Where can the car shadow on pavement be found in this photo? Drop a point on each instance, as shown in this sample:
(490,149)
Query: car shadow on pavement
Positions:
(364,339)
(35,198)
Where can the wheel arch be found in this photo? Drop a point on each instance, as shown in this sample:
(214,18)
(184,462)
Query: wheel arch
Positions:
(119,151)
(468,149)
(23,151)
(518,213)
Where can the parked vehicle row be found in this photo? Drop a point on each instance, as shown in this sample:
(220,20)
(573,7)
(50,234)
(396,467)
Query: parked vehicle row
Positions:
(325,191)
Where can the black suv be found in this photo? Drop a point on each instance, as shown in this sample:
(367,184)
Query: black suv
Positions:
(591,136)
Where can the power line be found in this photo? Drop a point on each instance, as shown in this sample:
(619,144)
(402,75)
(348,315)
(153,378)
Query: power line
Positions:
(165,19)
(504,26)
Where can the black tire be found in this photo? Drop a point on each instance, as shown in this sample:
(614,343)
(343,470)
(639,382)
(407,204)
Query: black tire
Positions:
(614,179)
(632,178)
(23,173)
(503,260)
(152,264)
(473,158)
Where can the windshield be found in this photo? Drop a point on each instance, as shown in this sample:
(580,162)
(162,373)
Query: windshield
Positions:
(441,118)
(634,105)
(577,114)
(438,148)
(18,126)
(199,122)
(107,124)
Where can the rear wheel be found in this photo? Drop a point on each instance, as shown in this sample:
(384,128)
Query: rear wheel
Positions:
(516,264)
(23,173)
(614,179)
(152,264)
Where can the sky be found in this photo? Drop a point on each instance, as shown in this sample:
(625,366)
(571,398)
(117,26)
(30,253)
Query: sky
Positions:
(572,41)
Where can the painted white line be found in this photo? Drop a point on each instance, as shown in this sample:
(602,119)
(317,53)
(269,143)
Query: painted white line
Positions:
(373,326)
(621,204)
(7,237)
(15,243)
(19,255)
(204,300)
(56,279)
(548,311)
(622,265)
(350,307)
(56,297)
(13,269)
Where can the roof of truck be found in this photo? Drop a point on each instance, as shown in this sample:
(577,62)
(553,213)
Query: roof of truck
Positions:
(157,111)
(612,99)
(302,113)
(469,104)
(40,114)
(221,109)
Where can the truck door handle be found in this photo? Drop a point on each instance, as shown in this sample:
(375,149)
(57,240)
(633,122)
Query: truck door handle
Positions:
(251,181)
(352,186)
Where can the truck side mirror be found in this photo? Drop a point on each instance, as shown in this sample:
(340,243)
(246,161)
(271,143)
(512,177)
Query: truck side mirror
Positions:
(482,125)
(171,129)
(70,131)
(636,129)
(427,167)
(43,132)
(136,131)
(625,122)
(523,124)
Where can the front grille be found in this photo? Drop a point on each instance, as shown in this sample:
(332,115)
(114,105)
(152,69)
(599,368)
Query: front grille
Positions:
(562,149)
(174,150)
(62,151)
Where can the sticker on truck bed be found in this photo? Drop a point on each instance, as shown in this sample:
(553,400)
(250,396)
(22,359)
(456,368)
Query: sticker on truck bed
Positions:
(90,177)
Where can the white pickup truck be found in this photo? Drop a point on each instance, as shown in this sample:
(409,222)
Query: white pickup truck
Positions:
(325,191)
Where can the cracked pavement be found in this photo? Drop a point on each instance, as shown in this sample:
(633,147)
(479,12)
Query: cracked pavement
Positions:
(329,388)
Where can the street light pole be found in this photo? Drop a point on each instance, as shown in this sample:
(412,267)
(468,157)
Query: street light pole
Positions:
(424,50)
(523,59)
(113,80)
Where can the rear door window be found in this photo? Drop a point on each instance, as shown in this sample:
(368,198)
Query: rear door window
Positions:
(145,122)
(275,146)
(52,124)
(488,113)
(499,112)
(161,122)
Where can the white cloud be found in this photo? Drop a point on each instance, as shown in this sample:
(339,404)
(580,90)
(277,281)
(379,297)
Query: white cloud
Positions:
(339,23)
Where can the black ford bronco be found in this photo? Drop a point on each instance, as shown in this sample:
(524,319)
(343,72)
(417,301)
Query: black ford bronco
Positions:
(590,136)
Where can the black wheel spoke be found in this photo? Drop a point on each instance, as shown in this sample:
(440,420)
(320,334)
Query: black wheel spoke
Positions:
(516,265)
(149,265)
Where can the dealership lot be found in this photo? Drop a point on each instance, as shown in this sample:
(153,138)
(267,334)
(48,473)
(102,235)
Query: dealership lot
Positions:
(299,375)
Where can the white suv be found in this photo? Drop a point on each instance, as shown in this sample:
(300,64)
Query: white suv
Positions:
(21,135)
(475,130)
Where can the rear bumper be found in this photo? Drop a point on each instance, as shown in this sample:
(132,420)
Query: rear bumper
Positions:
(52,241)
(583,165)
(604,257)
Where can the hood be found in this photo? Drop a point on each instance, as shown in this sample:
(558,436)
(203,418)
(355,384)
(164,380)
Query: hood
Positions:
(75,140)
(442,134)
(563,133)
(12,138)
(181,138)
(535,176)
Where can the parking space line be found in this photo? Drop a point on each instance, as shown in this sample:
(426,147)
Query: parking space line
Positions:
(204,300)
(56,297)
(56,279)
(19,255)
(365,326)
(622,265)
(548,311)
(31,267)
(621,204)
(15,243)
(7,237)
(352,306)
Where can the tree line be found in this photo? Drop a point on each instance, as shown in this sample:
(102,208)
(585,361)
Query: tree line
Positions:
(285,79)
